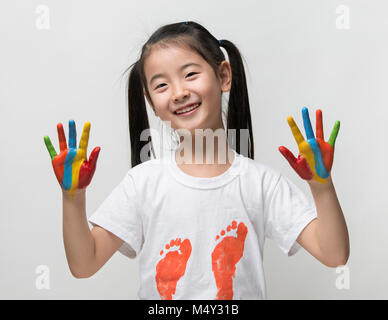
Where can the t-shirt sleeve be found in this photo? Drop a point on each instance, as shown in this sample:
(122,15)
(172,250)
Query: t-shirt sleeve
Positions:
(119,214)
(287,213)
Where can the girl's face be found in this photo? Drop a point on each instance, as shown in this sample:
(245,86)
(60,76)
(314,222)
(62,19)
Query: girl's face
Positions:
(177,77)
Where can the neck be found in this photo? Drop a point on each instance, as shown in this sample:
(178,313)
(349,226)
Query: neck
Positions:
(205,148)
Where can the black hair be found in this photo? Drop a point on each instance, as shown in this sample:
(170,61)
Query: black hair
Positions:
(197,38)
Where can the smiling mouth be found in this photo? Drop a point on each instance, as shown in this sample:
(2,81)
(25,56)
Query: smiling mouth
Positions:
(189,111)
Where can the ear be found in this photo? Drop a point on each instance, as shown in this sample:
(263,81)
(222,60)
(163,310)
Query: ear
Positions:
(225,75)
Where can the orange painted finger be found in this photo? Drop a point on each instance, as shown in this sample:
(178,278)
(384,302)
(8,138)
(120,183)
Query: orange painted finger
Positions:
(319,124)
(61,137)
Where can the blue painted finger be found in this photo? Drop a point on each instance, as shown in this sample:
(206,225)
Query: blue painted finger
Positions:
(72,135)
(307,124)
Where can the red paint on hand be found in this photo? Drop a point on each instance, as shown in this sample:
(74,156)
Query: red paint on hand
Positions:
(87,169)
(299,164)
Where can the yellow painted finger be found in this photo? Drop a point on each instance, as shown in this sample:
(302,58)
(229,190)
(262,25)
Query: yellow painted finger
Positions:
(295,131)
(83,144)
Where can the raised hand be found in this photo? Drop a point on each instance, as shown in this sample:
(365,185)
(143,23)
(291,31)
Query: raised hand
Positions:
(315,157)
(72,169)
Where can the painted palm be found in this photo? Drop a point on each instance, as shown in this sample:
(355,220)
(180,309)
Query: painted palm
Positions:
(72,169)
(315,157)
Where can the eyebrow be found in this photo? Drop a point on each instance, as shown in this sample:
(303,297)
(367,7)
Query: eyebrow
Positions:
(158,75)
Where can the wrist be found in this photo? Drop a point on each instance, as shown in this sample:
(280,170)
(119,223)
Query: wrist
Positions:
(315,185)
(74,195)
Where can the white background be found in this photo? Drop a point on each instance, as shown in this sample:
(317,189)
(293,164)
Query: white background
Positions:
(296,55)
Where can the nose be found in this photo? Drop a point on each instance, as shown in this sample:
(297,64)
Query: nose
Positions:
(180,94)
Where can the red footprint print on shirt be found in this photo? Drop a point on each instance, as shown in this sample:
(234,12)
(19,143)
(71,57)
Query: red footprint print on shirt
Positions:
(172,267)
(225,256)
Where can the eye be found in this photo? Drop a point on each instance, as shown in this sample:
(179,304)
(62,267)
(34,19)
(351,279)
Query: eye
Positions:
(158,86)
(194,73)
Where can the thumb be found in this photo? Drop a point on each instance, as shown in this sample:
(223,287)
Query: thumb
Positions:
(298,164)
(93,157)
(288,155)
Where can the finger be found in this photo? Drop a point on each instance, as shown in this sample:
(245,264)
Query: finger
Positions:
(87,169)
(50,147)
(295,131)
(93,157)
(298,164)
(307,124)
(83,144)
(288,155)
(334,133)
(319,124)
(61,137)
(72,135)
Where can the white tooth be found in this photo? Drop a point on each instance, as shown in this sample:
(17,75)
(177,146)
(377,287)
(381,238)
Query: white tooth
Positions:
(184,110)
(188,109)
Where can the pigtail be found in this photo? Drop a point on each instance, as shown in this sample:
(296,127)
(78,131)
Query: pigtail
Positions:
(138,119)
(239,114)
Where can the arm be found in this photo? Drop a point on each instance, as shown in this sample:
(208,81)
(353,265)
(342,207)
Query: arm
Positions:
(86,250)
(326,238)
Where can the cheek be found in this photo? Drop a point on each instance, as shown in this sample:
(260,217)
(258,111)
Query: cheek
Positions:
(160,104)
(163,113)
(213,98)
(209,90)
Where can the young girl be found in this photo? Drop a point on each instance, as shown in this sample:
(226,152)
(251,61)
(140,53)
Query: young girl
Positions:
(200,227)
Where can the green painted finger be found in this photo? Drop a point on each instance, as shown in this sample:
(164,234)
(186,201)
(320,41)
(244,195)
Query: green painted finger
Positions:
(50,147)
(334,133)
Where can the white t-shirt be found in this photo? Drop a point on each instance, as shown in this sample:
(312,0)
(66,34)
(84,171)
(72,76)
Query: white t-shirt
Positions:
(203,238)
